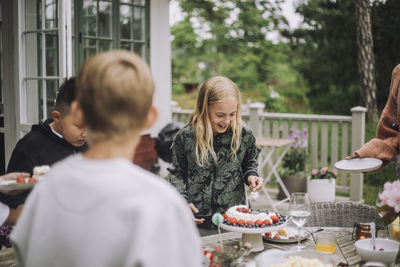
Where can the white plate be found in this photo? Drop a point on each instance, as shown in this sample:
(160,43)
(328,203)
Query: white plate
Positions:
(275,256)
(290,238)
(16,186)
(358,165)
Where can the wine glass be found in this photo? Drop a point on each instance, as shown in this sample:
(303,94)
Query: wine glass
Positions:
(299,212)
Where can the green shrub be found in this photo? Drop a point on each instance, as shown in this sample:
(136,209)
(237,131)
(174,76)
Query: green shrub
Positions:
(178,89)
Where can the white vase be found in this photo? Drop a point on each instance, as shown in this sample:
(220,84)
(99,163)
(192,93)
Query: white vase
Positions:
(321,190)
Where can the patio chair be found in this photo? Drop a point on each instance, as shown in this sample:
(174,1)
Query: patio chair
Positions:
(341,214)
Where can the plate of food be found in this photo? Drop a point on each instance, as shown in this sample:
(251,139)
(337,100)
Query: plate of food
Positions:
(243,219)
(358,164)
(286,235)
(306,258)
(19,184)
(25,183)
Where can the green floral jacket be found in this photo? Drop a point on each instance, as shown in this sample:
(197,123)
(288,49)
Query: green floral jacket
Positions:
(217,185)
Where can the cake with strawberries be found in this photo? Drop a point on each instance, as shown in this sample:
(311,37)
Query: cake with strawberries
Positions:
(242,216)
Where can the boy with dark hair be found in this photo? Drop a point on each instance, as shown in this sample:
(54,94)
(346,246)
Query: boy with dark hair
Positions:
(48,142)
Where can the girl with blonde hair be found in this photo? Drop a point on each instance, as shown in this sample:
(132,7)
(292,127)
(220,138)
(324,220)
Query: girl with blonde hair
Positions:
(215,154)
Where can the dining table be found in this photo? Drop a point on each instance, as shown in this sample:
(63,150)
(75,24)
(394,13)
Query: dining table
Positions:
(345,255)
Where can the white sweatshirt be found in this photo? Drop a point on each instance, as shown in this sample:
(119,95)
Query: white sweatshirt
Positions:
(105,213)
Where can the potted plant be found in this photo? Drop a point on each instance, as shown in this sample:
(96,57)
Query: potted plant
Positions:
(322,185)
(293,171)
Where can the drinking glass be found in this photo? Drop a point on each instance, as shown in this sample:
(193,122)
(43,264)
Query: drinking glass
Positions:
(299,212)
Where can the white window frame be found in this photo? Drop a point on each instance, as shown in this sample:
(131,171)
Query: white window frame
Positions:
(64,61)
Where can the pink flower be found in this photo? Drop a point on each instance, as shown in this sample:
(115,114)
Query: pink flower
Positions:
(324,170)
(314,171)
(391,195)
(334,172)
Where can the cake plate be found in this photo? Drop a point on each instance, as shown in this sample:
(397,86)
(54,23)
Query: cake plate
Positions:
(253,235)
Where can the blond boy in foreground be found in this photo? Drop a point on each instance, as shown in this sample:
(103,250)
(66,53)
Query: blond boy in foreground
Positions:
(99,209)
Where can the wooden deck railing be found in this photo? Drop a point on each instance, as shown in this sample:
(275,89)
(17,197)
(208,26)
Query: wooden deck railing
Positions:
(331,137)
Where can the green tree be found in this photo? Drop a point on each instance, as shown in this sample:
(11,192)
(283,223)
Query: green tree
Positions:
(228,38)
(326,51)
(385,27)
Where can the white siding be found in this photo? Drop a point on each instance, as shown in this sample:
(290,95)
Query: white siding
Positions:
(160,61)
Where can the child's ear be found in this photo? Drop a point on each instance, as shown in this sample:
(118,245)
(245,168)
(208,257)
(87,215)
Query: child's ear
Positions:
(56,115)
(77,114)
(152,117)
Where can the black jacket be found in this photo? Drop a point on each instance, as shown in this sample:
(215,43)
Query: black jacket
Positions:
(38,147)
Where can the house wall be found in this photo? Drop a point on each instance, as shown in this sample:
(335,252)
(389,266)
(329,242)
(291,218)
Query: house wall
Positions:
(160,61)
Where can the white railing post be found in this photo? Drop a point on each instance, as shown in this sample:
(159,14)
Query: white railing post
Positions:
(256,110)
(174,109)
(357,140)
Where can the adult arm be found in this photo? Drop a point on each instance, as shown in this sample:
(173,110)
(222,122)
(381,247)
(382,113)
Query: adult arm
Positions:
(386,144)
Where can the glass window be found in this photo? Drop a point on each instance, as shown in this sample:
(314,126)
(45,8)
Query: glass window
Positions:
(104,25)
(51,14)
(33,52)
(51,53)
(41,59)
(51,93)
(33,90)
(33,18)
(134,26)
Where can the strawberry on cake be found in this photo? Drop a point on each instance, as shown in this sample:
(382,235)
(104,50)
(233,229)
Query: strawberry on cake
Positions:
(243,216)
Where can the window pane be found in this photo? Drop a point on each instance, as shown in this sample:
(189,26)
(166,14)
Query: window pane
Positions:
(33,96)
(105,19)
(51,14)
(33,53)
(139,23)
(88,52)
(126,22)
(104,46)
(52,54)
(126,1)
(140,49)
(139,2)
(126,46)
(33,14)
(89,17)
(51,91)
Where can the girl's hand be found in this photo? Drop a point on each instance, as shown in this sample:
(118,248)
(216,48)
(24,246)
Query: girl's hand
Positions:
(195,210)
(255,183)
(352,156)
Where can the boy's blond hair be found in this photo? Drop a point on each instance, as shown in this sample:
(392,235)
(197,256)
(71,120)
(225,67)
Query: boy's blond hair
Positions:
(214,90)
(115,91)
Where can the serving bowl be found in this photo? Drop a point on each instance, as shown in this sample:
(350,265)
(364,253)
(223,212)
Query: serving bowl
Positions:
(385,250)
